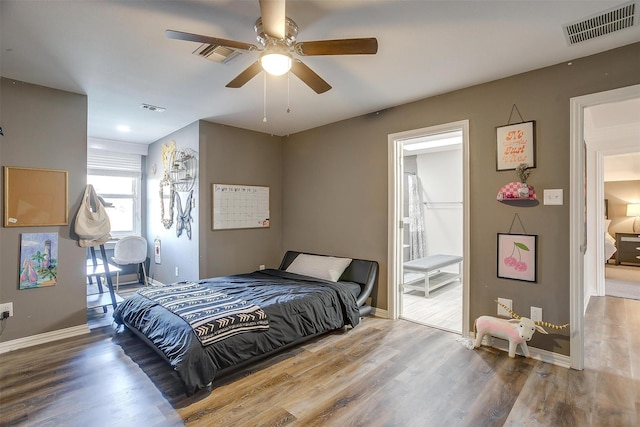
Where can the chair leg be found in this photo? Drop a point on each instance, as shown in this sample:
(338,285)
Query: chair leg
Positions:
(144,273)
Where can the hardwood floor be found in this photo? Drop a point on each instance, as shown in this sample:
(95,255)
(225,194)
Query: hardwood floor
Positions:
(381,373)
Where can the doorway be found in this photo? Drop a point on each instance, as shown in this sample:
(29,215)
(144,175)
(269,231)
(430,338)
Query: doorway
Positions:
(587,213)
(622,226)
(428,212)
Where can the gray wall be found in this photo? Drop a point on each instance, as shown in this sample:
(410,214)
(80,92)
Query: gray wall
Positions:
(180,252)
(335,180)
(44,128)
(236,156)
(226,155)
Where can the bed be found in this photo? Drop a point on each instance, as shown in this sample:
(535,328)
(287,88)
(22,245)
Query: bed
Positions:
(271,309)
(609,242)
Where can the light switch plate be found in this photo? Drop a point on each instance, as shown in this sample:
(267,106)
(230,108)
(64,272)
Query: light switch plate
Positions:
(553,197)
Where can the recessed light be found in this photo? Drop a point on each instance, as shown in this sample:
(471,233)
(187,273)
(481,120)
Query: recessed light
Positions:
(123,128)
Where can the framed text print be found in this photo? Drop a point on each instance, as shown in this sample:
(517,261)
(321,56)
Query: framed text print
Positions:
(240,206)
(515,145)
(517,256)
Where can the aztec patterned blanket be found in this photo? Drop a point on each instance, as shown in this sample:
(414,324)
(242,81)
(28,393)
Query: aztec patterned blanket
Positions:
(212,315)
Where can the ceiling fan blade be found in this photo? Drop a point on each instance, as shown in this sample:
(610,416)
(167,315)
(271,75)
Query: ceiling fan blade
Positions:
(364,46)
(245,76)
(179,35)
(273,16)
(309,77)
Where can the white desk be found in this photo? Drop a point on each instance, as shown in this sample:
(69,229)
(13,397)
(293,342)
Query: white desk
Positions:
(431,277)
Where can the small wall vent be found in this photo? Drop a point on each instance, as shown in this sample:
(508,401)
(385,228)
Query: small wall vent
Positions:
(603,23)
(215,53)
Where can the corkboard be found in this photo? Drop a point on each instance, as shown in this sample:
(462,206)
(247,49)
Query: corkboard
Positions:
(35,197)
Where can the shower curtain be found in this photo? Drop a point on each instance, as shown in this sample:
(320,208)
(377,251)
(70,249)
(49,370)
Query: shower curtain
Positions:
(417,242)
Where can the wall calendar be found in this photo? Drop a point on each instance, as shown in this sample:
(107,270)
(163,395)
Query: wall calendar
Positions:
(240,206)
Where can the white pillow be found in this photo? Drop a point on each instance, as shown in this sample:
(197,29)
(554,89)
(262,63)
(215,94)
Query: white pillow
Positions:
(320,267)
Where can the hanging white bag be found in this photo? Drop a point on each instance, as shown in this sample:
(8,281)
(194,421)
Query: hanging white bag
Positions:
(92,222)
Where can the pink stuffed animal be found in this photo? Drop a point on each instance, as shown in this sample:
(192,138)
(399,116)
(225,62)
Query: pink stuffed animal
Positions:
(518,330)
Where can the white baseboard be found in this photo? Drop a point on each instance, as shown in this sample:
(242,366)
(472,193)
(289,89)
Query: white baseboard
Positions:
(32,340)
(536,353)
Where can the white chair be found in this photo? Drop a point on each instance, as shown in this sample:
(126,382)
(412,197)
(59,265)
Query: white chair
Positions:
(131,250)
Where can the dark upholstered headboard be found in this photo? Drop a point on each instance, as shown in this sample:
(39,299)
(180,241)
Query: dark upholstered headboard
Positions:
(360,271)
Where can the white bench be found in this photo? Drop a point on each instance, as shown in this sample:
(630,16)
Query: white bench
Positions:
(431,277)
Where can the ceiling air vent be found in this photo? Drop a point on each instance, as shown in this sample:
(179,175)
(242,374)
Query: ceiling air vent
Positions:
(153,108)
(217,53)
(601,24)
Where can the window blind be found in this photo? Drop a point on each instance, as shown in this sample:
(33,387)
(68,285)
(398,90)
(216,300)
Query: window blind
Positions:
(114,164)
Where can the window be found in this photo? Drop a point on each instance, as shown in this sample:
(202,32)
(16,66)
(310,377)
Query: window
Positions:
(117,178)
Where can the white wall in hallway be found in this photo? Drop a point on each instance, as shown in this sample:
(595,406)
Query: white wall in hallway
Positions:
(440,174)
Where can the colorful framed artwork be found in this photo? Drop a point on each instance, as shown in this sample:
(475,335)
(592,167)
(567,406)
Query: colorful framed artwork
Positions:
(38,260)
(517,256)
(516,144)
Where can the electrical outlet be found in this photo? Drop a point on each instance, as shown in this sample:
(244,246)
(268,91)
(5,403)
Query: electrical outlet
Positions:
(262,267)
(536,314)
(8,306)
(177,272)
(502,311)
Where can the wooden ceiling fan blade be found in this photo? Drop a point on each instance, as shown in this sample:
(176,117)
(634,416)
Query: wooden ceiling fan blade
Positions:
(179,35)
(362,46)
(309,77)
(245,76)
(273,16)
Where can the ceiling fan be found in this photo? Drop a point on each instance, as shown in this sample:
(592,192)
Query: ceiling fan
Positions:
(276,34)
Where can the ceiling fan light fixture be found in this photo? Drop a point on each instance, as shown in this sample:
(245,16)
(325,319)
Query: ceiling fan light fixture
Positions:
(275,63)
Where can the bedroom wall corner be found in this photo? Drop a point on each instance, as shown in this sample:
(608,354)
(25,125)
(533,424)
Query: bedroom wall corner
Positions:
(232,155)
(44,128)
(177,253)
(619,194)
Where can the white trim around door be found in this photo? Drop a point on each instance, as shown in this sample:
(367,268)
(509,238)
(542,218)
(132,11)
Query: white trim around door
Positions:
(579,236)
(394,254)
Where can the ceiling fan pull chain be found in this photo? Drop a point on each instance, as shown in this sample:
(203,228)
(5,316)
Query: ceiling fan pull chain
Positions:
(264,97)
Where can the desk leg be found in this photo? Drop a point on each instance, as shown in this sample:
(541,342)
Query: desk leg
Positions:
(108,277)
(98,279)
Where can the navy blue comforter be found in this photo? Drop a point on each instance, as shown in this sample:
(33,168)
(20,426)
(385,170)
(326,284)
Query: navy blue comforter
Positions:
(297,307)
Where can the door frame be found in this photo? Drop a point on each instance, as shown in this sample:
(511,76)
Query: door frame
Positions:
(579,233)
(394,229)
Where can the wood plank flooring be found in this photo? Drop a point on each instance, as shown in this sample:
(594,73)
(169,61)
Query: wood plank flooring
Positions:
(381,373)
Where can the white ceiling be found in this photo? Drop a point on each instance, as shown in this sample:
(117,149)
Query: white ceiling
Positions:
(116,53)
